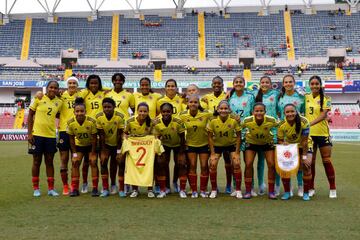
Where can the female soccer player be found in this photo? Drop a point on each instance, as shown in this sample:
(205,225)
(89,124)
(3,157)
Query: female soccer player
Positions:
(295,129)
(259,138)
(269,97)
(171,130)
(195,120)
(287,95)
(42,135)
(148,96)
(66,112)
(83,140)
(317,105)
(221,134)
(124,101)
(110,125)
(241,103)
(212,101)
(136,126)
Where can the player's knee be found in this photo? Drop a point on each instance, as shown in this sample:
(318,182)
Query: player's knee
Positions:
(326,159)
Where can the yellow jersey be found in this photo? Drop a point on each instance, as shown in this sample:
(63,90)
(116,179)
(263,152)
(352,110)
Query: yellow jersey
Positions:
(140,155)
(93,102)
(170,134)
(123,100)
(224,133)
(110,127)
(287,133)
(312,111)
(83,133)
(45,116)
(259,135)
(150,99)
(176,102)
(133,128)
(196,134)
(213,101)
(67,109)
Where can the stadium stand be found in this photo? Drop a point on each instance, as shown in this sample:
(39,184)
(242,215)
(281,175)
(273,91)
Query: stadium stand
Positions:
(11,39)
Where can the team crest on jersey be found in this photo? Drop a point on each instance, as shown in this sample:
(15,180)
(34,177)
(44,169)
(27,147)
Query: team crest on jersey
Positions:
(200,119)
(295,103)
(177,101)
(229,126)
(123,97)
(150,97)
(217,126)
(115,123)
(99,97)
(287,154)
(244,104)
(56,104)
(265,128)
(87,128)
(271,99)
(318,102)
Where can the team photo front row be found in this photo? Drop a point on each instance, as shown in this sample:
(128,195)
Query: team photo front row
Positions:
(282,128)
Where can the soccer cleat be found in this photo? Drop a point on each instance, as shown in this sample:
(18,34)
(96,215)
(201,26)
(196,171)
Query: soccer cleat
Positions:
(161,195)
(74,193)
(176,187)
(247,195)
(228,189)
(151,194)
(65,191)
(300,191)
(94,192)
(113,190)
(262,189)
(122,194)
(312,192)
(84,188)
(332,193)
(194,195)
(213,194)
(238,195)
(272,196)
(286,196)
(37,193)
(134,194)
(157,189)
(277,190)
(105,193)
(167,191)
(182,194)
(306,197)
(233,194)
(203,194)
(253,193)
(52,193)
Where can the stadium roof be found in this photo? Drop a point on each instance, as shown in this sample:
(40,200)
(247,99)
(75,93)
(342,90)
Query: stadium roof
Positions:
(52,6)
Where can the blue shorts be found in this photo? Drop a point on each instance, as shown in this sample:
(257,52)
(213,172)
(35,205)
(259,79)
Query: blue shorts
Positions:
(43,145)
(321,141)
(83,149)
(259,148)
(220,150)
(64,141)
(202,149)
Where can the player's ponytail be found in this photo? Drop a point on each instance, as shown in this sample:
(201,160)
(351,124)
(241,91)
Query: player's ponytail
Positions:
(149,81)
(282,92)
(321,91)
(236,77)
(216,113)
(79,101)
(297,117)
(260,94)
(147,119)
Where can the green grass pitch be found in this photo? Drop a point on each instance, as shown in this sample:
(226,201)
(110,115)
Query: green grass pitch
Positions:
(25,217)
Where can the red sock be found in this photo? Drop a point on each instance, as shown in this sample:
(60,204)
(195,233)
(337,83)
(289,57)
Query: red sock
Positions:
(312,182)
(286,183)
(50,181)
(330,173)
(35,182)
(237,176)
(248,184)
(121,184)
(307,182)
(105,182)
(193,181)
(213,176)
(95,182)
(85,170)
(64,176)
(204,182)
(162,183)
(271,185)
(228,170)
(74,183)
(182,182)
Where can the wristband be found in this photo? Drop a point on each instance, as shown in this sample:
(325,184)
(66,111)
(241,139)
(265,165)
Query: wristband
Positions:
(304,157)
(118,151)
(74,155)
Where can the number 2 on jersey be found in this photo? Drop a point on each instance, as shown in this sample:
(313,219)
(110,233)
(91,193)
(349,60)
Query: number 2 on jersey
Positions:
(138,162)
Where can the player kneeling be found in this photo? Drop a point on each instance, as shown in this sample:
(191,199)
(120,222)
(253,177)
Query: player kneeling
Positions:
(259,138)
(295,129)
(82,133)
(224,133)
